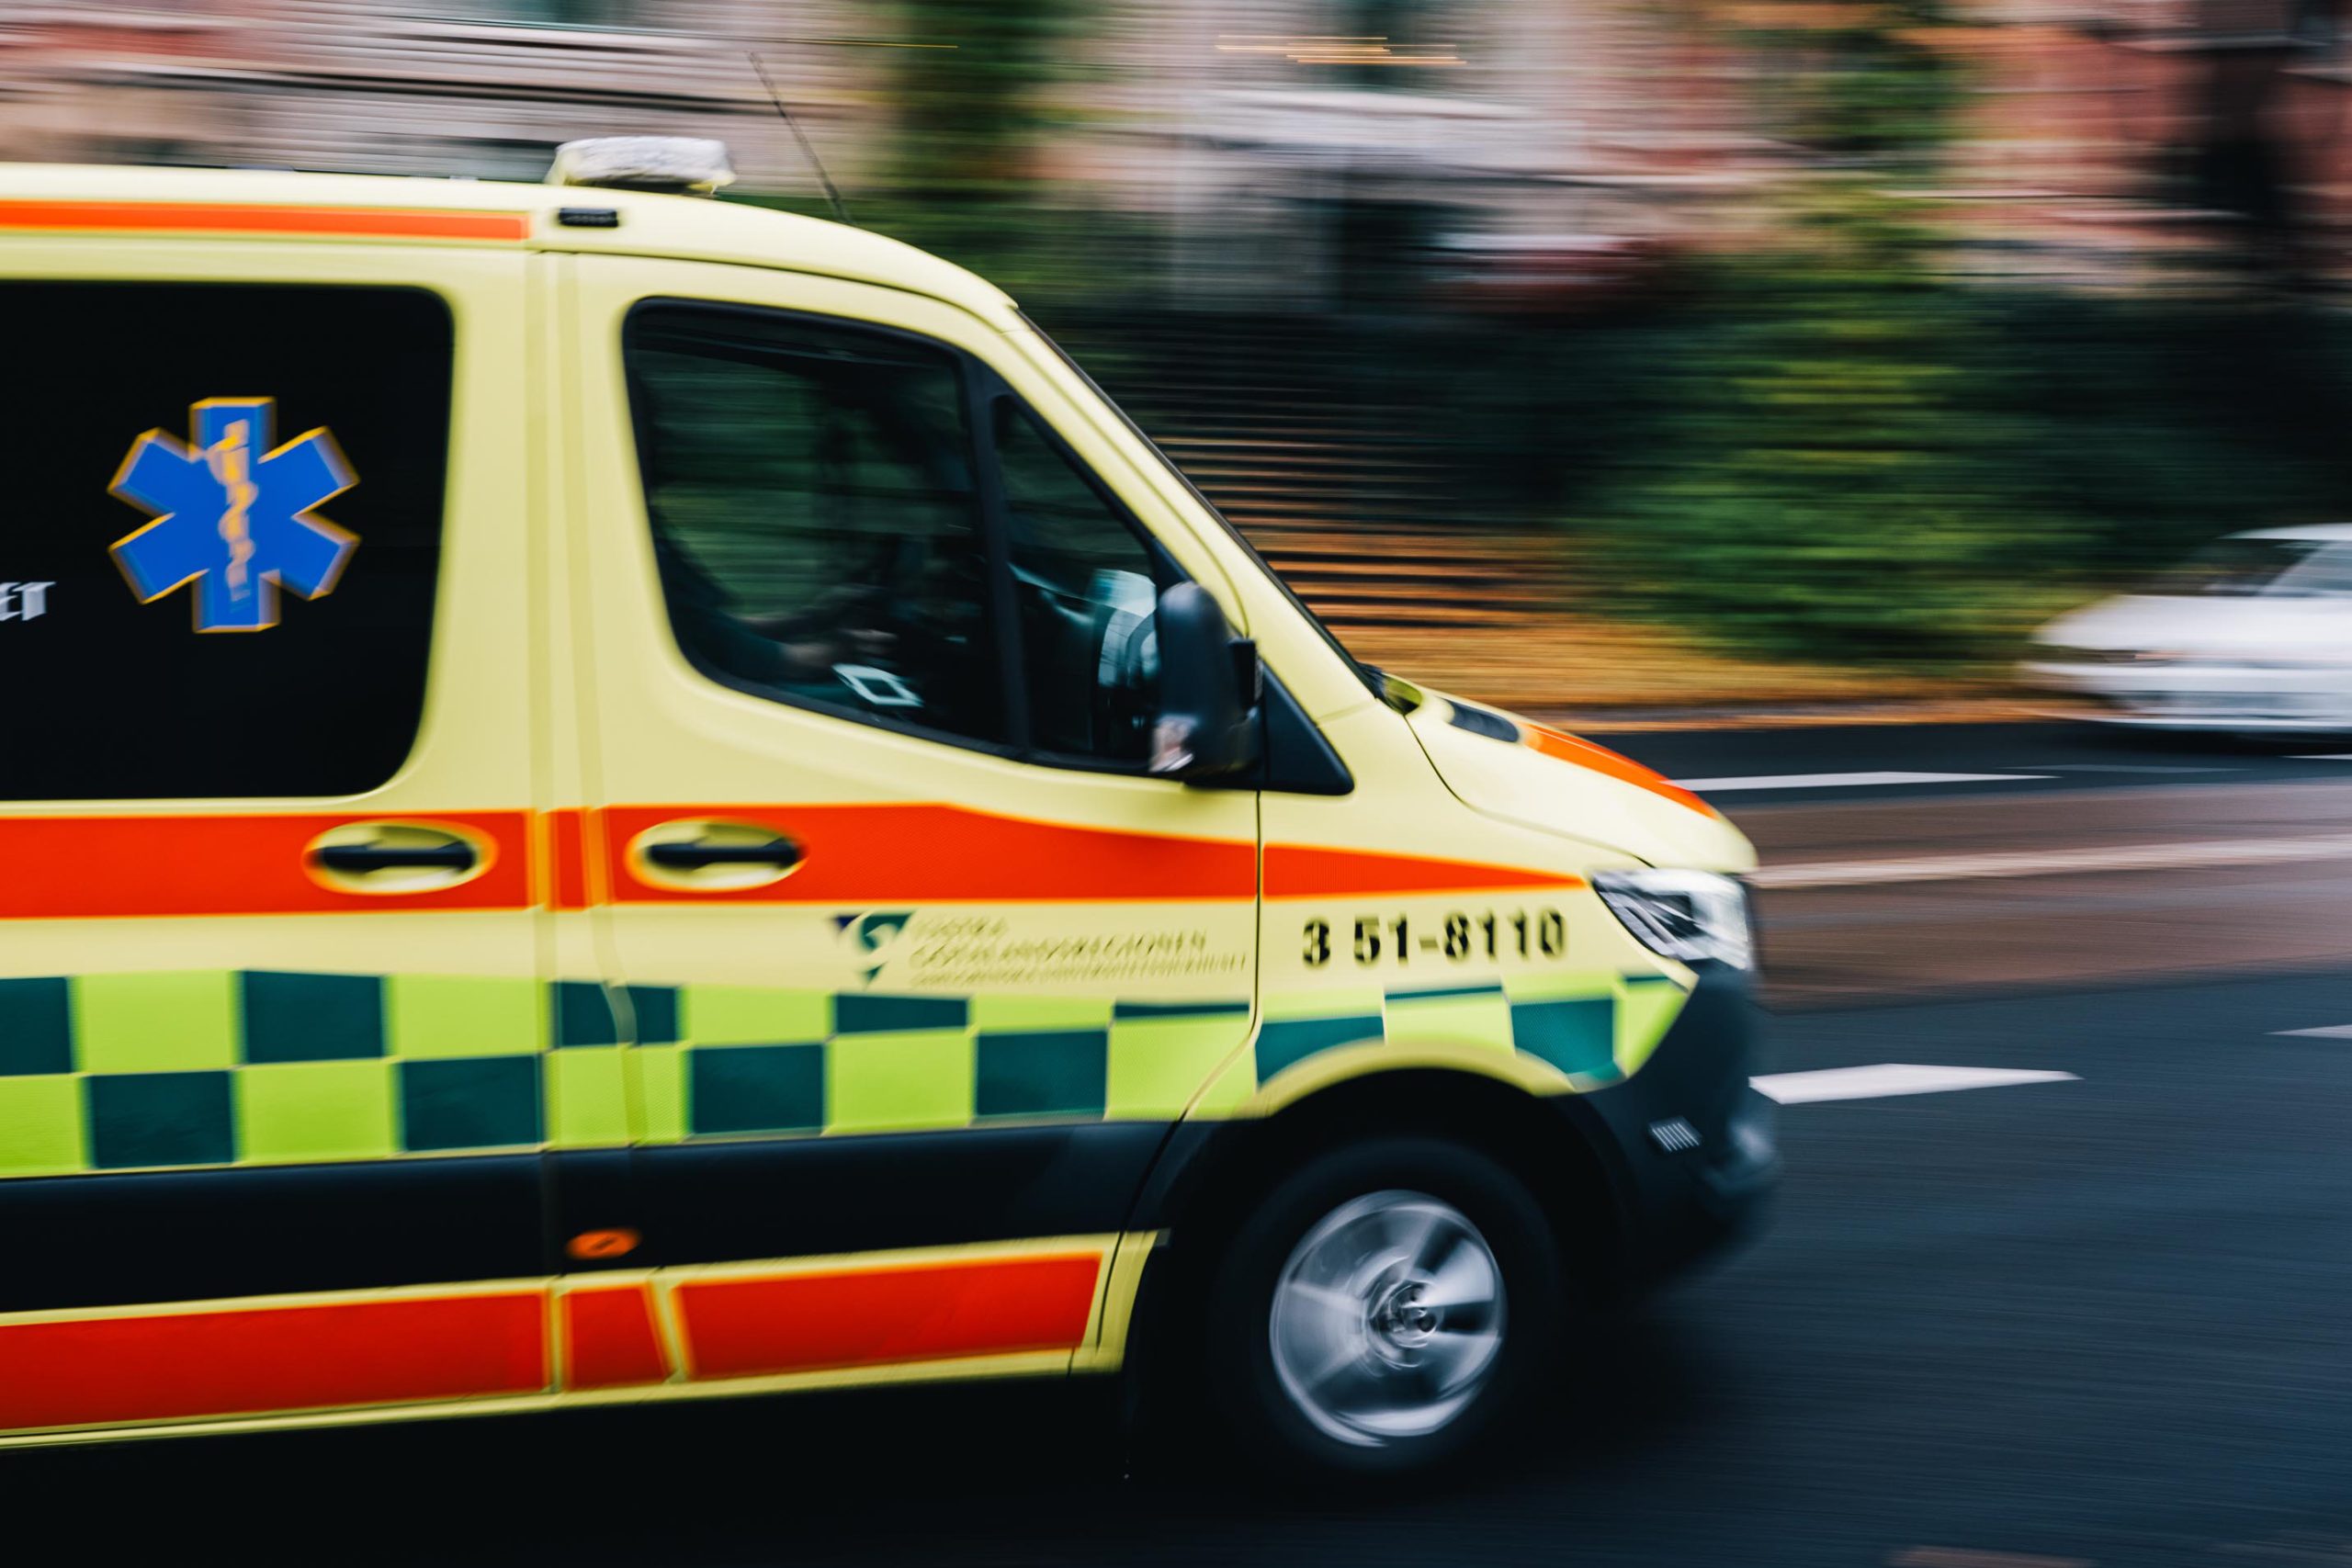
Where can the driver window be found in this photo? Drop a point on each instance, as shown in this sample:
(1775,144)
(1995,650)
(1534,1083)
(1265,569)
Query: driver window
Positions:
(1086,587)
(814,517)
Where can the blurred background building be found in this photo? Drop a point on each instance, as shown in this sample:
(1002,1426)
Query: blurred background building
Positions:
(1574,350)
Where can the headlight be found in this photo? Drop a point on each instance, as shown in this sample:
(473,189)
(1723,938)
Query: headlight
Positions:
(1685,915)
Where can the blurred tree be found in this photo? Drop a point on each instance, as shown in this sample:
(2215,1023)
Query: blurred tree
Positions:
(1854,82)
(1828,472)
(969,112)
(1853,453)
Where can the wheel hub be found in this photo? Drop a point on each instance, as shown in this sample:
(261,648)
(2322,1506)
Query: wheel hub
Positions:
(1399,1319)
(1387,1319)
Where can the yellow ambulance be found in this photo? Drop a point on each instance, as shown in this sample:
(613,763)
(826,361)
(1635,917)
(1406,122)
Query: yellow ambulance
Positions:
(614,796)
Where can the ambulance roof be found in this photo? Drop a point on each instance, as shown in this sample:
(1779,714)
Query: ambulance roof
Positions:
(234,204)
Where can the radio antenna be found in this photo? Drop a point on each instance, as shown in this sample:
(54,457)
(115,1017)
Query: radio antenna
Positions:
(833,195)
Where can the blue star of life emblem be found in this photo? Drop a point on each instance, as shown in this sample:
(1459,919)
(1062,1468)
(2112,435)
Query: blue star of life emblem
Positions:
(234,514)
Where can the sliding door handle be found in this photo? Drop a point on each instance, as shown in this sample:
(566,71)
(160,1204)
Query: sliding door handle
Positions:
(707,856)
(696,855)
(361,859)
(393,857)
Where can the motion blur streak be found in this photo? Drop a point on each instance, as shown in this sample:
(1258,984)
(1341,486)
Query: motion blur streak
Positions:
(1570,355)
(1830,405)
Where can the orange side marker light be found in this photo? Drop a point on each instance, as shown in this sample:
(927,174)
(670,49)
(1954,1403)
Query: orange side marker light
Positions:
(590,1246)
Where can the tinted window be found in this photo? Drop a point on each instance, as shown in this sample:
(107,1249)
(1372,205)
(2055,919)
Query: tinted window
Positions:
(227,681)
(815,519)
(1086,586)
(2271,568)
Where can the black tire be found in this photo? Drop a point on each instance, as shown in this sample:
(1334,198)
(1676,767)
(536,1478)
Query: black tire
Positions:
(1240,1354)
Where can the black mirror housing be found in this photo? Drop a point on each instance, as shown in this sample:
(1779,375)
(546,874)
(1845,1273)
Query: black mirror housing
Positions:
(1209,685)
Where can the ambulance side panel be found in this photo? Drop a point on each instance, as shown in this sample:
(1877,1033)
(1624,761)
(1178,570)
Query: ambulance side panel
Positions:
(270,1131)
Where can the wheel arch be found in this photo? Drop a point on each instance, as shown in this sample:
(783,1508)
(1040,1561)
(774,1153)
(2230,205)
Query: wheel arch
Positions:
(1205,1177)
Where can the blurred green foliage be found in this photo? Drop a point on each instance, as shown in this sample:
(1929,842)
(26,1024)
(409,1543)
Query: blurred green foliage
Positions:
(970,93)
(1816,456)
(1854,79)
(1834,449)
(1829,468)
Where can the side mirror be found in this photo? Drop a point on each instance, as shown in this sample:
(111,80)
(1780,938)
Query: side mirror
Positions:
(1207,726)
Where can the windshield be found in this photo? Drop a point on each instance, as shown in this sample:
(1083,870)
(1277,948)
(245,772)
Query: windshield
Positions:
(2248,568)
(1371,678)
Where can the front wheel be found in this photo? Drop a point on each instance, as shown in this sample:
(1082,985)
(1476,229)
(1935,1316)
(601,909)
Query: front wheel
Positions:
(1386,1304)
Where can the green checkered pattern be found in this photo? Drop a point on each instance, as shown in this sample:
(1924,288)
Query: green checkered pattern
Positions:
(142,1071)
(1593,1027)
(747,1062)
(114,1072)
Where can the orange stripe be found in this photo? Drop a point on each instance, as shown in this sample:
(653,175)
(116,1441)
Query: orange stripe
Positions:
(1303,871)
(570,863)
(936,854)
(77,867)
(1601,760)
(746,1326)
(232,218)
(106,1370)
(89,867)
(608,1338)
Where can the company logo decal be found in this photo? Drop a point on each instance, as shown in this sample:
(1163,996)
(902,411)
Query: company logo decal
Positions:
(234,514)
(925,949)
(871,934)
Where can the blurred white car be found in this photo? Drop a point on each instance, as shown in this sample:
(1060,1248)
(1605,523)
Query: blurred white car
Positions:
(2253,633)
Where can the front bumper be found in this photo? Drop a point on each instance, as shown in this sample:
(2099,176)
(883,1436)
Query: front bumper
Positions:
(1689,1145)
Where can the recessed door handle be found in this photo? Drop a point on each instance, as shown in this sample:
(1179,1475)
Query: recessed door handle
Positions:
(395,857)
(711,855)
(357,859)
(698,854)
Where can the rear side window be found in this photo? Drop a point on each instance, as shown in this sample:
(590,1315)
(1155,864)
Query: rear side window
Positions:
(220,536)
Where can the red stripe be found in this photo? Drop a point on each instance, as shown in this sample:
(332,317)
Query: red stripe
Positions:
(1303,871)
(608,1338)
(111,1370)
(744,1326)
(241,218)
(68,867)
(932,854)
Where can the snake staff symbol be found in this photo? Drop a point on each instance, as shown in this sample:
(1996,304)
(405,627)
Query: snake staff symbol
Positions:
(237,525)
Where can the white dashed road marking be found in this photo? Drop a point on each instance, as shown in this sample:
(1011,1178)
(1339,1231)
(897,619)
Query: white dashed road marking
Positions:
(1840,781)
(1889,1078)
(2123,768)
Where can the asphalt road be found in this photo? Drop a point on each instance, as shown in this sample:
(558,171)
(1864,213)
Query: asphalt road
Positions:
(2095,1319)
